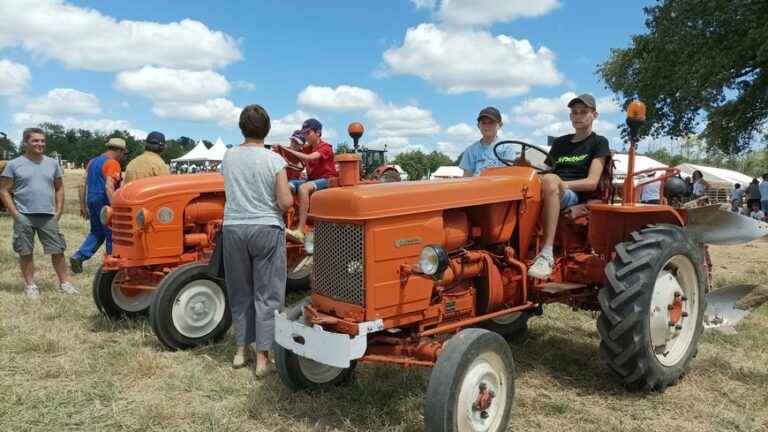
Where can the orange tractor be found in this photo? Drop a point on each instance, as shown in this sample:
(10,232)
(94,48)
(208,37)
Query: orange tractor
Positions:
(434,273)
(163,231)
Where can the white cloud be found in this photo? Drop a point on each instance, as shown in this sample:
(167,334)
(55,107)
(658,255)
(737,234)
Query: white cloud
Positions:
(602,127)
(175,85)
(221,111)
(283,127)
(466,61)
(402,121)
(487,12)
(424,4)
(13,77)
(65,101)
(607,105)
(244,85)
(25,119)
(462,131)
(393,145)
(342,98)
(84,38)
(539,112)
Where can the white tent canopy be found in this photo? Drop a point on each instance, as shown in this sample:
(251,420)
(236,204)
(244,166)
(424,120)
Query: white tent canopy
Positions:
(198,153)
(216,153)
(641,163)
(445,172)
(716,177)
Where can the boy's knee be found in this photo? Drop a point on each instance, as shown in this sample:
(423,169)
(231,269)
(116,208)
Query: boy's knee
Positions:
(550,184)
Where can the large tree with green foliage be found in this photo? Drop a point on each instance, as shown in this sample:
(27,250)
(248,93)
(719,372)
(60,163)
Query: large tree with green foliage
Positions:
(419,164)
(699,57)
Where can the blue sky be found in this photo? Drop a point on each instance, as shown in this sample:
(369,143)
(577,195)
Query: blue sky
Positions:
(415,72)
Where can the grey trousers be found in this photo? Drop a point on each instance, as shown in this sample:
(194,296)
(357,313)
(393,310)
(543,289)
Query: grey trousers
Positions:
(255,272)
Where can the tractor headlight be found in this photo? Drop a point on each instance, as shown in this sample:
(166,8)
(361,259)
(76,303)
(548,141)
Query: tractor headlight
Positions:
(165,215)
(309,242)
(143,218)
(105,215)
(433,260)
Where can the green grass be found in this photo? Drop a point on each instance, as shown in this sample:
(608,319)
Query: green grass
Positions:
(65,367)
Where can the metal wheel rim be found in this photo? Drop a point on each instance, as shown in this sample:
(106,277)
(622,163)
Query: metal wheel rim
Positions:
(670,344)
(507,319)
(487,368)
(198,308)
(136,303)
(317,372)
(305,271)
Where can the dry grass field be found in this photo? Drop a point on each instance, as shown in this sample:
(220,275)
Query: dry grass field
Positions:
(64,367)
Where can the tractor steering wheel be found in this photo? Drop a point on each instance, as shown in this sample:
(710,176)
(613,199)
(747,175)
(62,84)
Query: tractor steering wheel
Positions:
(520,161)
(293,163)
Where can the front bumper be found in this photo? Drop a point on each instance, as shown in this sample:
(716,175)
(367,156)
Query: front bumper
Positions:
(312,342)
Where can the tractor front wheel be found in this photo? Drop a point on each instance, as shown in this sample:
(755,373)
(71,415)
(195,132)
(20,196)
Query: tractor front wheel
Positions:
(652,307)
(389,176)
(472,384)
(116,302)
(190,308)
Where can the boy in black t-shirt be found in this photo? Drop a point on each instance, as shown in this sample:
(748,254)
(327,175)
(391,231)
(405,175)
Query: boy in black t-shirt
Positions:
(577,161)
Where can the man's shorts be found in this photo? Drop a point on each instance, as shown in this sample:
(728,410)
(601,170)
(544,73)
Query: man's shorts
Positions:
(569,199)
(320,184)
(47,229)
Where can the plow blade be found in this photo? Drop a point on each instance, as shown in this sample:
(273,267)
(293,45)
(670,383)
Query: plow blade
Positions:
(712,225)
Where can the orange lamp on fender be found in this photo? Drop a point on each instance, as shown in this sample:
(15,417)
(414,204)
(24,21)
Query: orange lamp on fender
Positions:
(635,117)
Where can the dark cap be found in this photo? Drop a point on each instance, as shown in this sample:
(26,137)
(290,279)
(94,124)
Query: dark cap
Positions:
(490,112)
(586,99)
(298,136)
(155,138)
(313,124)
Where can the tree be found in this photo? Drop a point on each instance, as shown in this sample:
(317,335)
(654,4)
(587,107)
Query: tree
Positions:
(419,165)
(343,147)
(699,57)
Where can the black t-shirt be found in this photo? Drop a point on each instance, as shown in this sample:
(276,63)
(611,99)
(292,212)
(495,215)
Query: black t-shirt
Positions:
(571,160)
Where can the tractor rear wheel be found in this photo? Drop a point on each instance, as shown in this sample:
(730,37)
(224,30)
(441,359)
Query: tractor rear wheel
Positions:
(652,307)
(513,327)
(115,302)
(472,385)
(389,176)
(190,308)
(298,277)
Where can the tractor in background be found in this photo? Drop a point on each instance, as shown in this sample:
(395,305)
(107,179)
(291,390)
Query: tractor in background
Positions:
(373,164)
(435,274)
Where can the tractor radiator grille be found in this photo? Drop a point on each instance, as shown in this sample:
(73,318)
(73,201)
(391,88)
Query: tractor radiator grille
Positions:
(122,226)
(339,263)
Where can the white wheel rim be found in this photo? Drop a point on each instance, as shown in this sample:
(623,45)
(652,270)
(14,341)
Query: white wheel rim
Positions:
(487,371)
(301,270)
(136,303)
(674,310)
(198,308)
(317,372)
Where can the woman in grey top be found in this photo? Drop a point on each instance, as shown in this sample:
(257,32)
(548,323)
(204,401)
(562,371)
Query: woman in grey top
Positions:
(257,193)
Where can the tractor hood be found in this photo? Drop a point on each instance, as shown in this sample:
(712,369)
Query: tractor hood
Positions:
(143,190)
(372,201)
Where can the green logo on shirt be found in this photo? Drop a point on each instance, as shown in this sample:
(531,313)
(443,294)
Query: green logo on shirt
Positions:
(571,160)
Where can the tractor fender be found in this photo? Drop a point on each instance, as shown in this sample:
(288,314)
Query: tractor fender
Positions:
(611,224)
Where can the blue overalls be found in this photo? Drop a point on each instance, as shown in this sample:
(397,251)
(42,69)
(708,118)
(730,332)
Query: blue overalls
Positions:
(96,199)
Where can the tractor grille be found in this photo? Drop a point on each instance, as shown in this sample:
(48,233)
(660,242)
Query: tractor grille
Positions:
(339,262)
(122,226)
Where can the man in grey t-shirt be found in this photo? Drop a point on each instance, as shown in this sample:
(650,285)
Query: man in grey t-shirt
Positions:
(32,190)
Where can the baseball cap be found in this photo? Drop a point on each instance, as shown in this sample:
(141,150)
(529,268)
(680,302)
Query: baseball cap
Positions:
(490,112)
(116,143)
(298,136)
(155,138)
(313,124)
(586,99)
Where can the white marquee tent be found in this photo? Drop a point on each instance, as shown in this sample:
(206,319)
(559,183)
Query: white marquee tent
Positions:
(216,153)
(198,153)
(446,172)
(641,163)
(716,177)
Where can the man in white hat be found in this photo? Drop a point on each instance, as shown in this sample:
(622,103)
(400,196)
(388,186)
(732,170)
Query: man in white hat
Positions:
(101,180)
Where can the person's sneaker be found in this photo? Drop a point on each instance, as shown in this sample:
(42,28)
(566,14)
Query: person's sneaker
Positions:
(541,267)
(32,291)
(239,360)
(68,288)
(296,235)
(75,265)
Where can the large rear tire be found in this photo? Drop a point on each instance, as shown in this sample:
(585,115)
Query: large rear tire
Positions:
(474,367)
(118,303)
(190,308)
(390,176)
(653,307)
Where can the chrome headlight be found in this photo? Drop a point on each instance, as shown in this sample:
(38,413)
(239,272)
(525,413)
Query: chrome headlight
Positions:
(309,242)
(105,215)
(143,217)
(433,260)
(165,215)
